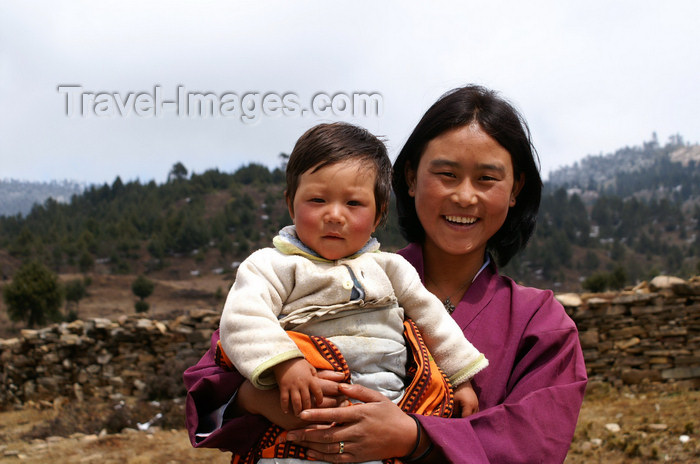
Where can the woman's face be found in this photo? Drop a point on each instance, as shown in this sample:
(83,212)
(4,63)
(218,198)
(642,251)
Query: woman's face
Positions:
(463,187)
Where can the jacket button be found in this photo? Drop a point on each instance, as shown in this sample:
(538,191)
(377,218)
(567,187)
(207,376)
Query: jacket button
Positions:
(347,285)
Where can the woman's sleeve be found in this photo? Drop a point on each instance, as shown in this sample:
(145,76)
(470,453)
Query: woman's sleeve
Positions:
(209,388)
(536,420)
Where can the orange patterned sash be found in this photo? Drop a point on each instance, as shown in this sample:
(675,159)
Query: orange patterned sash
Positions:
(428,391)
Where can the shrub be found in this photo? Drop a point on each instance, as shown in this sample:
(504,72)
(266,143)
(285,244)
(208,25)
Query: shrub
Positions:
(34,295)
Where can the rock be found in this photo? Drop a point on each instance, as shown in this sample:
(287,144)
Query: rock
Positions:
(28,334)
(8,344)
(612,427)
(76,327)
(589,338)
(626,332)
(102,323)
(569,300)
(144,324)
(89,438)
(596,301)
(686,288)
(633,299)
(93,369)
(616,310)
(638,376)
(664,283)
(681,373)
(78,392)
(83,376)
(104,358)
(624,344)
(140,385)
(70,339)
(199,314)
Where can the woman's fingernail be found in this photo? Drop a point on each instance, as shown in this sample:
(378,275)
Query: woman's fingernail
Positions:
(291,437)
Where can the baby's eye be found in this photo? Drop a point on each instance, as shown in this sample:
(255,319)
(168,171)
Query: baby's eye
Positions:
(317,200)
(354,203)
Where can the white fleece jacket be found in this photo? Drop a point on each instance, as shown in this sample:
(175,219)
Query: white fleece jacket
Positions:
(361,299)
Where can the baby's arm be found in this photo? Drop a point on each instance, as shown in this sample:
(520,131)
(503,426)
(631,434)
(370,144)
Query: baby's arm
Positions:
(454,354)
(298,384)
(466,400)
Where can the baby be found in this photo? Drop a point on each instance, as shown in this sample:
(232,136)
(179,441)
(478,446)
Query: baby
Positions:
(325,276)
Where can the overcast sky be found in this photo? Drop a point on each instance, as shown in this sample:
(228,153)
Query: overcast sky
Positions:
(589,77)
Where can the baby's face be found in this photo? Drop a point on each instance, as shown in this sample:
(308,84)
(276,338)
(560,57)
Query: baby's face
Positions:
(334,209)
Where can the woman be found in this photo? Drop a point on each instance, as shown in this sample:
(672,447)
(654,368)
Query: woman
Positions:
(468,191)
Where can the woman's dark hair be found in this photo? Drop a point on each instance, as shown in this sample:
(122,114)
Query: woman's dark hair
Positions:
(327,144)
(500,120)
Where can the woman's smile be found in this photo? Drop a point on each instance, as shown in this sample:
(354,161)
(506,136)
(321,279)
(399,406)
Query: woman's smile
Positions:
(460,219)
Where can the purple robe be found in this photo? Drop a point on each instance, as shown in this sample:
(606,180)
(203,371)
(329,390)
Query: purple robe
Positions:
(529,396)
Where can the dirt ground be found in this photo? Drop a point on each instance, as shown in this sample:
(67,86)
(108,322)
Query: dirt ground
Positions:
(656,424)
(652,423)
(131,447)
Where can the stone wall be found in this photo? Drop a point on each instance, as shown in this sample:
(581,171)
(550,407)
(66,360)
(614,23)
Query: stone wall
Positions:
(650,332)
(103,359)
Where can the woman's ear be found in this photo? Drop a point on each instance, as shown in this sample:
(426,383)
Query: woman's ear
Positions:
(517,187)
(410,176)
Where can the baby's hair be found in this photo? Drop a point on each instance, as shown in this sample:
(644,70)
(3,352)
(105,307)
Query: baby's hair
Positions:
(327,144)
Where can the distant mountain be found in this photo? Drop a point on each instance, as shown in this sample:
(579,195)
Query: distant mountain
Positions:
(18,197)
(615,219)
(606,173)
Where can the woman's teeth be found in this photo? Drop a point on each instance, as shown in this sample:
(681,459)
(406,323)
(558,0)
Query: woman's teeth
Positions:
(461,219)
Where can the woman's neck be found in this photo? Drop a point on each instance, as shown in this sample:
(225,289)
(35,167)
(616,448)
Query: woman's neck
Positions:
(446,274)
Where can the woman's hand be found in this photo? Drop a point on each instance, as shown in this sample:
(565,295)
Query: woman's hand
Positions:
(377,429)
(266,402)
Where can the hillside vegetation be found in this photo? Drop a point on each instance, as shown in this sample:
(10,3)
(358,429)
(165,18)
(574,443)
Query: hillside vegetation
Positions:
(606,222)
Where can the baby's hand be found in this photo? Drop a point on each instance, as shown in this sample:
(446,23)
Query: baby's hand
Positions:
(298,384)
(466,400)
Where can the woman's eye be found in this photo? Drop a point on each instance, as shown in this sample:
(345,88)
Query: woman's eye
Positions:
(447,174)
